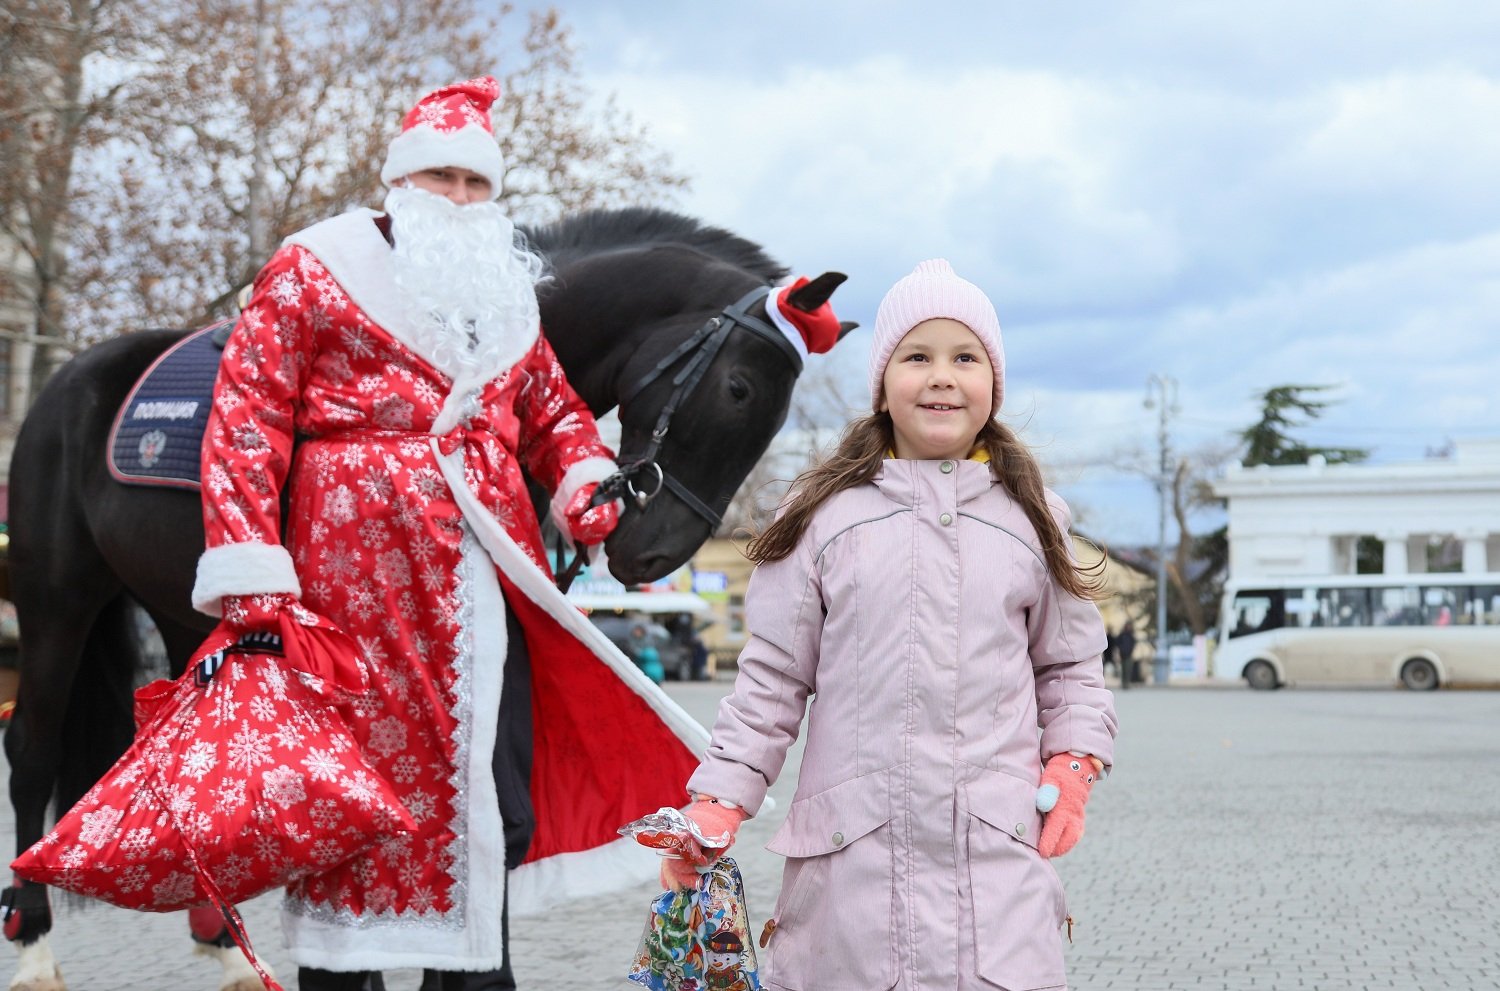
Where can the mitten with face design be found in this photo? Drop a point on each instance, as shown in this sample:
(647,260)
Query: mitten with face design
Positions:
(1064,791)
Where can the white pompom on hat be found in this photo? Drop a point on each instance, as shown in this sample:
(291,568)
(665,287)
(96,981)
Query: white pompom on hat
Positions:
(449,127)
(930,292)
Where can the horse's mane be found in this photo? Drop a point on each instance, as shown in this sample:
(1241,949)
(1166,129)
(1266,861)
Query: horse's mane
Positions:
(598,230)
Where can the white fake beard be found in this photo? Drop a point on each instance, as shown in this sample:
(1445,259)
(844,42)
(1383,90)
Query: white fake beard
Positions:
(467,278)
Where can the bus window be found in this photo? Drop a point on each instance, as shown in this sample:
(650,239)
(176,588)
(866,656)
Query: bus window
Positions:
(1440,605)
(1483,605)
(1344,607)
(1401,606)
(1302,608)
(1258,611)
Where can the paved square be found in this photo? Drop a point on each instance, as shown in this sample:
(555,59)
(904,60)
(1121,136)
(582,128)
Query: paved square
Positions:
(1325,840)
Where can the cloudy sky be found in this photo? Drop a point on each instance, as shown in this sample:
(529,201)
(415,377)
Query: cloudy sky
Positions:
(1233,195)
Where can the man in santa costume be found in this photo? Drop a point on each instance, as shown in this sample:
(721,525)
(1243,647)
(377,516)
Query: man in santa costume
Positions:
(389,378)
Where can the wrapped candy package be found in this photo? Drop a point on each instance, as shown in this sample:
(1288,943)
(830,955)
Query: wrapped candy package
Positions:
(696,939)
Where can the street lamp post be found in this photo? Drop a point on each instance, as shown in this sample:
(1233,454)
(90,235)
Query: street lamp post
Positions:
(1166,405)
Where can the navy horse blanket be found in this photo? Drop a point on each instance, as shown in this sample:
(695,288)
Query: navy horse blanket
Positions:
(157,436)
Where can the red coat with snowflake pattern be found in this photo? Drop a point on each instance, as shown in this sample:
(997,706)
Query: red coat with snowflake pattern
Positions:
(408,524)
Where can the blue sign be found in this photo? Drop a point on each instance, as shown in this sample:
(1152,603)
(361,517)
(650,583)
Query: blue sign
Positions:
(708,582)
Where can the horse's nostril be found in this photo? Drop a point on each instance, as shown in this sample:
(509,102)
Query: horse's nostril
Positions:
(655,566)
(642,568)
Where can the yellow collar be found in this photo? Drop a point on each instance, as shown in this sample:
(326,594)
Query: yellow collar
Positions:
(979,454)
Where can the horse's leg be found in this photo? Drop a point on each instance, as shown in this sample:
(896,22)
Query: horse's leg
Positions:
(72,721)
(207,925)
(28,919)
(56,632)
(237,974)
(37,969)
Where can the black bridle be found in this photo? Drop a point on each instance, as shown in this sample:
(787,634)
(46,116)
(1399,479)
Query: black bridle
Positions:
(641,478)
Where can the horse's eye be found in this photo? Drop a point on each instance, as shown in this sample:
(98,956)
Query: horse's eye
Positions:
(738,388)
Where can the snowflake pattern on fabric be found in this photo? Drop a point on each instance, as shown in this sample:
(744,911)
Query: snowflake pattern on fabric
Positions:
(191,792)
(375,535)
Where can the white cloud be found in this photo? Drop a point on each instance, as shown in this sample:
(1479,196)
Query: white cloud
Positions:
(1239,197)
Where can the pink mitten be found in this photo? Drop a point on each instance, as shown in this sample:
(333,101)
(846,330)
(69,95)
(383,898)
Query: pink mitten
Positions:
(714,822)
(587,524)
(678,874)
(1064,792)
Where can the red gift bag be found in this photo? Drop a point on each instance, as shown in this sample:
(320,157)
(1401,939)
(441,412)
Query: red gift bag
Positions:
(242,778)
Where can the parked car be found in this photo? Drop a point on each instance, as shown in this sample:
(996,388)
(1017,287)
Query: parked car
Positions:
(676,658)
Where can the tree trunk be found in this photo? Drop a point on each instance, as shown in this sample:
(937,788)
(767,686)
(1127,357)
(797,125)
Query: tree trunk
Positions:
(1177,569)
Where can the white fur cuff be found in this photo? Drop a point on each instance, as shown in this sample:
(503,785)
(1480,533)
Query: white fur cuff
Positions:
(580,474)
(425,147)
(242,569)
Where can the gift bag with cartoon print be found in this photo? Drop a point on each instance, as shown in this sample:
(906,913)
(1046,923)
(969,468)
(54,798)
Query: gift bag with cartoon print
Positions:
(699,939)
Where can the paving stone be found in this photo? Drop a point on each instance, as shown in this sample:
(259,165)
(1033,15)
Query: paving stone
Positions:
(1334,840)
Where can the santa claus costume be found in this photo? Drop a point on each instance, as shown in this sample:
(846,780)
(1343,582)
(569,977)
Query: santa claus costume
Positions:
(402,353)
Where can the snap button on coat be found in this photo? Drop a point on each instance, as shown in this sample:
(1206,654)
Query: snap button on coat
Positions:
(945,519)
(947,467)
(838,839)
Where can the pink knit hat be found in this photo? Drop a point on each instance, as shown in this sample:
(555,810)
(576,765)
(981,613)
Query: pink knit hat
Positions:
(931,291)
(449,127)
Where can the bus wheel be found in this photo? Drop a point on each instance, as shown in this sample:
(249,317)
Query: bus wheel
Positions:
(1419,675)
(1261,676)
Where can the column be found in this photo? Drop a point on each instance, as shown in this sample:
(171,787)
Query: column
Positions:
(1476,551)
(1395,553)
(1416,554)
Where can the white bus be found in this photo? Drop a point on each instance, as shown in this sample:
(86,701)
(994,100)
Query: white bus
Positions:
(1421,631)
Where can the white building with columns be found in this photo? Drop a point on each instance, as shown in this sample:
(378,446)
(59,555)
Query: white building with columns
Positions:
(1293,520)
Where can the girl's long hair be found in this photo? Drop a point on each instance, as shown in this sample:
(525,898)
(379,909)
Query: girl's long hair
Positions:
(857,458)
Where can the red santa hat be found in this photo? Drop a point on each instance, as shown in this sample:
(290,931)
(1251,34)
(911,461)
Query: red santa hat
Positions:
(449,127)
(810,331)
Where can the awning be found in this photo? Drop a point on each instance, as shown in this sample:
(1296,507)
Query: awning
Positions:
(641,602)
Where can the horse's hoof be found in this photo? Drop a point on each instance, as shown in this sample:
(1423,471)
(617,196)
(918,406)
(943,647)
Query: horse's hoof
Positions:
(238,974)
(38,970)
(53,983)
(246,984)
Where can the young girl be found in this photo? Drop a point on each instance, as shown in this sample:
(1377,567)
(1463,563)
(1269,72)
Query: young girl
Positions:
(920,582)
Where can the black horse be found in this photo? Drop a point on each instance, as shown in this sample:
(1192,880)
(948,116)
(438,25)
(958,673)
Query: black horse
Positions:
(647,310)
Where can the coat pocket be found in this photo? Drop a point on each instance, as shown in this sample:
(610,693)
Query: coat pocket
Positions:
(834,917)
(1018,899)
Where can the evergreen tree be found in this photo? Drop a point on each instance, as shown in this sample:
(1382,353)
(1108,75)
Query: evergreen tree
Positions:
(1284,408)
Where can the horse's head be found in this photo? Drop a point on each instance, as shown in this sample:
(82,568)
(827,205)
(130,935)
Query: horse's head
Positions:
(649,311)
(700,400)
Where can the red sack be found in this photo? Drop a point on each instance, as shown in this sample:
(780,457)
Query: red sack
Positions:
(242,778)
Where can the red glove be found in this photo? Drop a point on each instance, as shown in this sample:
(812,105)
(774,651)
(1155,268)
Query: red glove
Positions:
(314,644)
(1064,792)
(257,613)
(713,820)
(589,525)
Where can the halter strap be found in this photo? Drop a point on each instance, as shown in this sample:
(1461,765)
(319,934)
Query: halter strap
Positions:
(703,345)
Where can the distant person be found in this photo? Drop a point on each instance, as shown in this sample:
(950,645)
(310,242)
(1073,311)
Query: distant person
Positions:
(1125,645)
(642,649)
(1242,625)
(637,640)
(921,581)
(685,632)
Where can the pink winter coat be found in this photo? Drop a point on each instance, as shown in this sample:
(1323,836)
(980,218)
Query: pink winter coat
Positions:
(919,611)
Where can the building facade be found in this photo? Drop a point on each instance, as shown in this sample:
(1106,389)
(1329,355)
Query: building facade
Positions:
(1435,514)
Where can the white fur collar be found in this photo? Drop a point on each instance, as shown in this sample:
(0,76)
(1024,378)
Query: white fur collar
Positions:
(357,255)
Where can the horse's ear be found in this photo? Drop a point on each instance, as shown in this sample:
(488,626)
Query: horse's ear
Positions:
(845,326)
(816,292)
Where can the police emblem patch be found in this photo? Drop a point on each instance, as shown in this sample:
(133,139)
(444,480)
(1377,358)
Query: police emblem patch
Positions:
(153,442)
